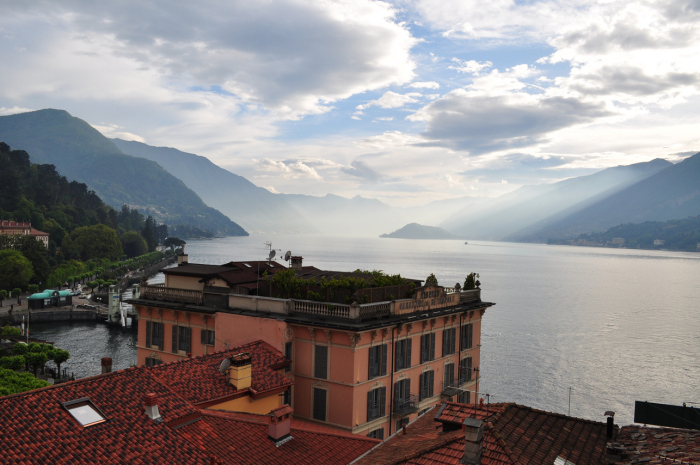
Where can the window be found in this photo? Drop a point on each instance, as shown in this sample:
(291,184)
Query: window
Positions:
(449,375)
(287,397)
(377,361)
(377,433)
(84,411)
(465,370)
(320,404)
(427,381)
(467,334)
(182,339)
(402,391)
(208,337)
(154,334)
(427,347)
(288,354)
(153,361)
(321,362)
(376,403)
(449,337)
(403,354)
(464,397)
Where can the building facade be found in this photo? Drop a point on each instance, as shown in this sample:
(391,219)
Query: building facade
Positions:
(14,228)
(364,368)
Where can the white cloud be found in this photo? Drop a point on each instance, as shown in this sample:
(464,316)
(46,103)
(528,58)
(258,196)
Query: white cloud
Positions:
(13,111)
(425,85)
(391,100)
(470,66)
(295,169)
(113,131)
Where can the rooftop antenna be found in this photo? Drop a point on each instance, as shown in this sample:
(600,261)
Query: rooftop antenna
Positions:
(271,255)
(225,364)
(287,256)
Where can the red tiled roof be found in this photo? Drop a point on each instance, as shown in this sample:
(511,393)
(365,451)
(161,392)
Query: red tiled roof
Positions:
(198,379)
(513,435)
(237,440)
(37,429)
(668,446)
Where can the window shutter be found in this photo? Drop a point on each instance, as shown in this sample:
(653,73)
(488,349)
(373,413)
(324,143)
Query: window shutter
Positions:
(203,336)
(321,362)
(445,342)
(372,363)
(161,335)
(148,334)
(319,404)
(470,336)
(408,388)
(431,389)
(382,401)
(188,337)
(369,405)
(409,346)
(432,346)
(397,393)
(384,353)
(174,348)
(399,354)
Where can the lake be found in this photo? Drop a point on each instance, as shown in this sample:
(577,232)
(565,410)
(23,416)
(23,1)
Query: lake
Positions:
(614,325)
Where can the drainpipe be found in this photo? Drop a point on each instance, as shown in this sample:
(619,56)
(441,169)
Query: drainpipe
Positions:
(391,388)
(459,352)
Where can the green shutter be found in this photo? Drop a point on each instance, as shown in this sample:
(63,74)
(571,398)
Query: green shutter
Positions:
(148,334)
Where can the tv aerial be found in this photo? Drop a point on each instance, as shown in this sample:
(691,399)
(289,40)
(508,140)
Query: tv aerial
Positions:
(225,364)
(288,255)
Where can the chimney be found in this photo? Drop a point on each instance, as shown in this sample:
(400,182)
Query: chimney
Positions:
(474,434)
(296,262)
(279,428)
(106,365)
(240,371)
(151,401)
(182,257)
(610,424)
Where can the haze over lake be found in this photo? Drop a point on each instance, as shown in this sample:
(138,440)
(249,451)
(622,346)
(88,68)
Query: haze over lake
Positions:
(615,325)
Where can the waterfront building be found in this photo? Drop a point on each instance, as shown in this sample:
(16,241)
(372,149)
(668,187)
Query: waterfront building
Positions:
(366,368)
(15,228)
(174,413)
(50,298)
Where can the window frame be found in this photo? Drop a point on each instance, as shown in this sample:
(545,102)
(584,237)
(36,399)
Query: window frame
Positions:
(449,338)
(427,347)
(427,385)
(376,403)
(403,349)
(467,337)
(314,403)
(321,369)
(377,364)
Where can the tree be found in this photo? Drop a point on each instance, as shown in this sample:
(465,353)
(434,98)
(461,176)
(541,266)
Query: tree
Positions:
(59,356)
(9,331)
(36,360)
(15,269)
(149,233)
(133,244)
(173,242)
(3,296)
(17,292)
(37,254)
(12,382)
(471,281)
(93,242)
(431,280)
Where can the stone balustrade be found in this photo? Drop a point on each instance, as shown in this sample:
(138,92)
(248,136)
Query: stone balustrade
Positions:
(169,294)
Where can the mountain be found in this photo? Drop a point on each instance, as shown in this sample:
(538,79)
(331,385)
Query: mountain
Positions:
(419,231)
(253,207)
(336,215)
(524,211)
(81,153)
(673,193)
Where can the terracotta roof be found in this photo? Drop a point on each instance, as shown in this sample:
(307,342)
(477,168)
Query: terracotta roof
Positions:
(199,380)
(668,446)
(238,440)
(37,429)
(513,435)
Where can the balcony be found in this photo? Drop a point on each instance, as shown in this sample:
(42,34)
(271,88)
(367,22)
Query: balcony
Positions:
(169,294)
(403,407)
(451,387)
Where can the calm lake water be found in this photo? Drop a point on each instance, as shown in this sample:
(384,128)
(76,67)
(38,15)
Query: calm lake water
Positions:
(614,325)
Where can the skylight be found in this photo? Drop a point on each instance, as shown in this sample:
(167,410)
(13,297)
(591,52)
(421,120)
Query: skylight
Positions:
(84,411)
(562,461)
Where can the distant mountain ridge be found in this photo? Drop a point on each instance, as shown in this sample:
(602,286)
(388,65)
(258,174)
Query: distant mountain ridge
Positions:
(529,209)
(81,153)
(419,231)
(254,208)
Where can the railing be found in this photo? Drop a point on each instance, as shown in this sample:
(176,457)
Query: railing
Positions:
(321,308)
(450,387)
(169,294)
(376,310)
(473,295)
(403,407)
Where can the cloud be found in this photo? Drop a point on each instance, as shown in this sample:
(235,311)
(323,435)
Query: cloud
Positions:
(295,169)
(391,100)
(4,111)
(360,169)
(478,123)
(113,131)
(470,66)
(629,80)
(424,85)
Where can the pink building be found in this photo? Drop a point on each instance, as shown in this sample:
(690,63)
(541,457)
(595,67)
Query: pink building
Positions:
(363,368)
(13,228)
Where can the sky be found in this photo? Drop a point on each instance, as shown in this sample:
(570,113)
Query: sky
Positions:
(406,101)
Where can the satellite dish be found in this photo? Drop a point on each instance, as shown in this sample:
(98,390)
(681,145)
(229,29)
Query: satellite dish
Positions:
(225,365)
(288,255)
(272,254)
